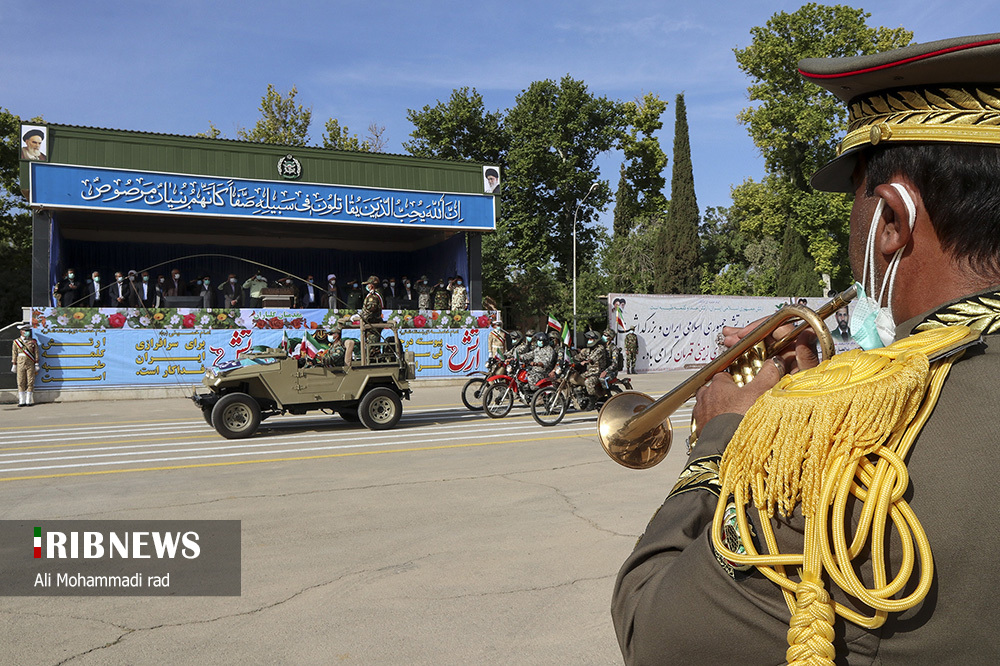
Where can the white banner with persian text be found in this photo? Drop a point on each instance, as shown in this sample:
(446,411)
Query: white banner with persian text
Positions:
(680,332)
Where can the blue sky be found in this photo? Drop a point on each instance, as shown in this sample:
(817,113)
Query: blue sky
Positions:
(175,66)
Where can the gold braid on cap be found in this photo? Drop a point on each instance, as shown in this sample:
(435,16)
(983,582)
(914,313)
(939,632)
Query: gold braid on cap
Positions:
(951,115)
(819,438)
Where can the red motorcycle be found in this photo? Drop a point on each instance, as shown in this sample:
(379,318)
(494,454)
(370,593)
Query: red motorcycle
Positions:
(503,388)
(472,392)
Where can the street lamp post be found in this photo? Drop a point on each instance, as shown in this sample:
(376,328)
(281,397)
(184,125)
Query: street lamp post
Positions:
(575,212)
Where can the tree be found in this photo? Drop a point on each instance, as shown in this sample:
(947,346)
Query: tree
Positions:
(629,256)
(641,181)
(15,222)
(282,121)
(461,129)
(556,131)
(677,250)
(795,123)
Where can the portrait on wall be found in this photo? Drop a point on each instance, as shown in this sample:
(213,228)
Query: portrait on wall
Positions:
(34,143)
(491,179)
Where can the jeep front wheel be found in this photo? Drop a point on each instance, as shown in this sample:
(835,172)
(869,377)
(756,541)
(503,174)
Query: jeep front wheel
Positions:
(380,409)
(236,416)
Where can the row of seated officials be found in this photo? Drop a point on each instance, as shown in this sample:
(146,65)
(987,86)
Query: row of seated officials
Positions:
(134,290)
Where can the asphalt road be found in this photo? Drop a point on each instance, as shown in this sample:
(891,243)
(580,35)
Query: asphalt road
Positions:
(453,539)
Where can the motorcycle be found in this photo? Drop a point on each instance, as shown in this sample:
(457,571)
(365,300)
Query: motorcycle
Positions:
(549,406)
(472,392)
(501,389)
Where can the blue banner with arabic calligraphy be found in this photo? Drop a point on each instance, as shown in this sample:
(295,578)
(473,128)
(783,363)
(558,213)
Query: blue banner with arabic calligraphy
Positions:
(101,358)
(66,186)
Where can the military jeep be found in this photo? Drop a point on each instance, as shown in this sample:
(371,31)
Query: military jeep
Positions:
(368,388)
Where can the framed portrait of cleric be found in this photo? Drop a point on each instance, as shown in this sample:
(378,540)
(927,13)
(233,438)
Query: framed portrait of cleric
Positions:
(491,179)
(34,143)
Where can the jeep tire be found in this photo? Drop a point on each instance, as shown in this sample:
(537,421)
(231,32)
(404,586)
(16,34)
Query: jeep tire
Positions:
(380,409)
(236,416)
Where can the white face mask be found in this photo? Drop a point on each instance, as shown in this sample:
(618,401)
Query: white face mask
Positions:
(873,326)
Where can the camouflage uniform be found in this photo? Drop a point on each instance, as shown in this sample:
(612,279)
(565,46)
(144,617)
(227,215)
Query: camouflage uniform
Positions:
(423,294)
(459,297)
(441,297)
(335,353)
(371,311)
(631,351)
(597,359)
(546,356)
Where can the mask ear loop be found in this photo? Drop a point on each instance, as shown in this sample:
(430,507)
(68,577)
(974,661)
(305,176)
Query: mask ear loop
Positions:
(870,251)
(890,275)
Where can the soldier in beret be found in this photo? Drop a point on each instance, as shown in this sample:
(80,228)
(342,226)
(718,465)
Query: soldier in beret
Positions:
(922,158)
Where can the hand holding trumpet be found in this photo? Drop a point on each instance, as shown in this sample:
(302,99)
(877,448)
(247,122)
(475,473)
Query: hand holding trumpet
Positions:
(722,395)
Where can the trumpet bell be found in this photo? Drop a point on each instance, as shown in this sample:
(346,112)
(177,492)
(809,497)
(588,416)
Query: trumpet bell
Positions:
(643,451)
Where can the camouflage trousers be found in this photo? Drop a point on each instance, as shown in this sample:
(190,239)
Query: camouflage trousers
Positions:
(630,362)
(592,384)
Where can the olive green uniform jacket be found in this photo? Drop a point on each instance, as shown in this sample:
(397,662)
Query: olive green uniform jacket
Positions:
(675,603)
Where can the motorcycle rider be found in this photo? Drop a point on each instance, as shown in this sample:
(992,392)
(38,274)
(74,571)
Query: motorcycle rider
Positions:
(609,374)
(595,359)
(539,359)
(518,345)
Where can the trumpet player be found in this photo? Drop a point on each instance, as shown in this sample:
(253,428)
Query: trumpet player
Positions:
(826,519)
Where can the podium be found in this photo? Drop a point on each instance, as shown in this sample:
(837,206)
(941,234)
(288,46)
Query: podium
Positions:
(277,297)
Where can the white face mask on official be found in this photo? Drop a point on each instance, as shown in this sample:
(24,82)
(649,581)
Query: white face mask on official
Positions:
(873,326)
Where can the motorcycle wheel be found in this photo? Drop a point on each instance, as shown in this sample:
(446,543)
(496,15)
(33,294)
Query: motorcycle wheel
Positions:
(548,407)
(498,400)
(472,393)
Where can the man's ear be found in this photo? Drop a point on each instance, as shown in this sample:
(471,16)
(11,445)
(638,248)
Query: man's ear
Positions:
(896,231)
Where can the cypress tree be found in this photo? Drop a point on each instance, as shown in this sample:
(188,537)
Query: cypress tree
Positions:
(796,269)
(677,252)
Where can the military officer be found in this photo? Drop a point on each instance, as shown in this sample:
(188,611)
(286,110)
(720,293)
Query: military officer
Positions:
(371,310)
(354,296)
(334,357)
(424,293)
(441,296)
(922,158)
(459,295)
(540,359)
(518,345)
(611,371)
(24,362)
(631,350)
(594,359)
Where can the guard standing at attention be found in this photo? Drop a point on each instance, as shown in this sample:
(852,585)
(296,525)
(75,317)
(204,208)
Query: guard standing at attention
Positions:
(24,361)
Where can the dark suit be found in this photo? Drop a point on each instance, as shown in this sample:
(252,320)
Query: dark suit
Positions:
(232,295)
(69,292)
(118,294)
(95,298)
(142,294)
(174,287)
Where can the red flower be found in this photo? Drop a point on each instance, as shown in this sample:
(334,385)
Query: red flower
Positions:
(297,322)
(117,320)
(188,321)
(419,321)
(313,324)
(275,322)
(435,314)
(260,323)
(483,321)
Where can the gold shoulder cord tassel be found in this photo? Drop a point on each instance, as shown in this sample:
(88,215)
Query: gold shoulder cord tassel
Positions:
(819,436)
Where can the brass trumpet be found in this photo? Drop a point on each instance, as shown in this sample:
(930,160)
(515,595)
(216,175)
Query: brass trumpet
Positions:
(636,432)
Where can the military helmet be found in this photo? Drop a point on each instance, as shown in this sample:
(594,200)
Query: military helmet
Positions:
(592,338)
(609,334)
(516,337)
(540,337)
